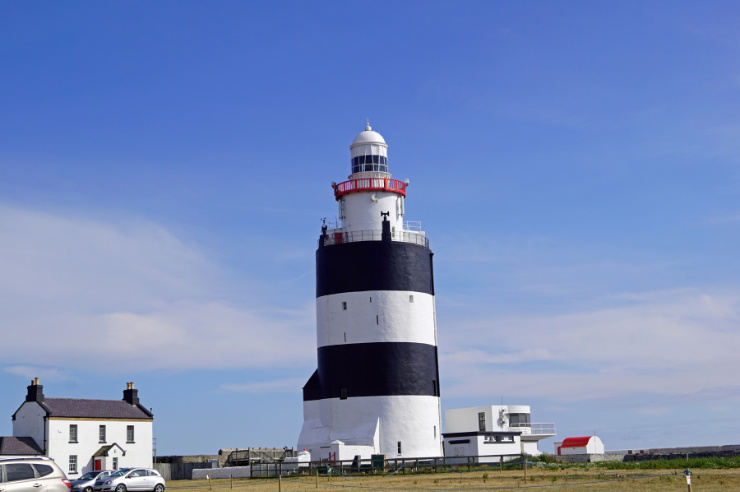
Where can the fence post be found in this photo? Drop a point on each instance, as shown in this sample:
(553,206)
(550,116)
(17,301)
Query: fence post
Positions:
(317,477)
(501,463)
(280,484)
(232,480)
(468,463)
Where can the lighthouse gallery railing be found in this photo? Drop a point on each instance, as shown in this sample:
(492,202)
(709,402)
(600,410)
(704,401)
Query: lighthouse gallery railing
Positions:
(339,237)
(366,184)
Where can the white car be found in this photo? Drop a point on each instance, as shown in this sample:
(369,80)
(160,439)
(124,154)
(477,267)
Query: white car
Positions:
(131,479)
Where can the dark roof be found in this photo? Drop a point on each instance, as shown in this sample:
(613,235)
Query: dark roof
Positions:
(103,451)
(19,446)
(447,435)
(104,409)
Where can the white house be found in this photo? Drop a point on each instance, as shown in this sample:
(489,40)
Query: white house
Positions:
(493,431)
(580,445)
(84,435)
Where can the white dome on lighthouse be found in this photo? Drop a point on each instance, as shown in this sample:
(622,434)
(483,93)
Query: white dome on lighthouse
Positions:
(368,137)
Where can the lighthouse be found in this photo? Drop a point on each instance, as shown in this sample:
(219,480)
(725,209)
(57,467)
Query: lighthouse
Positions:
(376,389)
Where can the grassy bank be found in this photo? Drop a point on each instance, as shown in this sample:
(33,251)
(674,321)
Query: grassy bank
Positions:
(572,478)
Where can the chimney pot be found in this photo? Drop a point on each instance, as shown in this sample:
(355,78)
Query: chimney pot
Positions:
(35,391)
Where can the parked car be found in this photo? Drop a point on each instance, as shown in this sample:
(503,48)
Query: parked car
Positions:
(131,479)
(87,481)
(31,474)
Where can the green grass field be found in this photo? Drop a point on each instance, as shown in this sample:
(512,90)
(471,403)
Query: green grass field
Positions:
(584,478)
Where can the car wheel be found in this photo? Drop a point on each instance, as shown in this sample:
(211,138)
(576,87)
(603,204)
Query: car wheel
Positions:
(159,488)
(88,489)
(120,488)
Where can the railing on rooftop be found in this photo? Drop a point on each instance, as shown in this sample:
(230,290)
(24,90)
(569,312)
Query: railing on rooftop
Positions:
(412,225)
(536,428)
(369,184)
(337,236)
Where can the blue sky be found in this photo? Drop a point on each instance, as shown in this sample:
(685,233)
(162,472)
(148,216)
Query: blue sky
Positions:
(164,168)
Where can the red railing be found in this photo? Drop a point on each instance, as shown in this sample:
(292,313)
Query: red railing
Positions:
(367,184)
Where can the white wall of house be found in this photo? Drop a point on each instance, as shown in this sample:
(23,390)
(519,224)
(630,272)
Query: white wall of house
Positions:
(30,422)
(136,453)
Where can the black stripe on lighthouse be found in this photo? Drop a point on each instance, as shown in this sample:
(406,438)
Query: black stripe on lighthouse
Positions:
(373,265)
(374,369)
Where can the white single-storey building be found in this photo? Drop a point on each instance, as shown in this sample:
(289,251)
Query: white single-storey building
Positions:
(493,431)
(83,435)
(580,445)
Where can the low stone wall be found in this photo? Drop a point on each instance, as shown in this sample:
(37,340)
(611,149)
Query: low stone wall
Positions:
(232,471)
(654,454)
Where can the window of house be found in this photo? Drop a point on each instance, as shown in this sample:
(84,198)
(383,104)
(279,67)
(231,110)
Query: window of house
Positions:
(72,463)
(115,462)
(101,433)
(482,421)
(344,305)
(73,433)
(411,298)
(399,447)
(129,433)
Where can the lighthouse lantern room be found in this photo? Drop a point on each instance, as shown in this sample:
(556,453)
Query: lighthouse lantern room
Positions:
(376,389)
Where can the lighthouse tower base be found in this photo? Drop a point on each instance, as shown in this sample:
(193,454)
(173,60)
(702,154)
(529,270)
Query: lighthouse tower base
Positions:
(336,429)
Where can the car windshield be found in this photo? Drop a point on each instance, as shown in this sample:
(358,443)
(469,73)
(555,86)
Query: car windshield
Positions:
(89,475)
(118,473)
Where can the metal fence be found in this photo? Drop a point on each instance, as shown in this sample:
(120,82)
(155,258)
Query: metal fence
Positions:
(379,465)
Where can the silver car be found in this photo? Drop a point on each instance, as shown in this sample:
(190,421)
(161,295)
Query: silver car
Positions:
(31,474)
(87,481)
(131,479)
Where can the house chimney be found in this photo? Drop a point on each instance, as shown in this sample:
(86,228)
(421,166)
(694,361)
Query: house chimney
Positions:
(35,391)
(131,395)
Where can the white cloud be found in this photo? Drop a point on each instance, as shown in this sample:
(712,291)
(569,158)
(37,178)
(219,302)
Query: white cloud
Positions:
(128,295)
(278,385)
(664,343)
(44,373)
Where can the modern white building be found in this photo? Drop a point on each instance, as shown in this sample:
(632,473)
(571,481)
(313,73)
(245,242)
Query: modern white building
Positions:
(376,389)
(492,431)
(84,435)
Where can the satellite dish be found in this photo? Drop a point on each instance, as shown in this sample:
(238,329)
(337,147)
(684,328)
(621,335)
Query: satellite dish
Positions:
(374,198)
